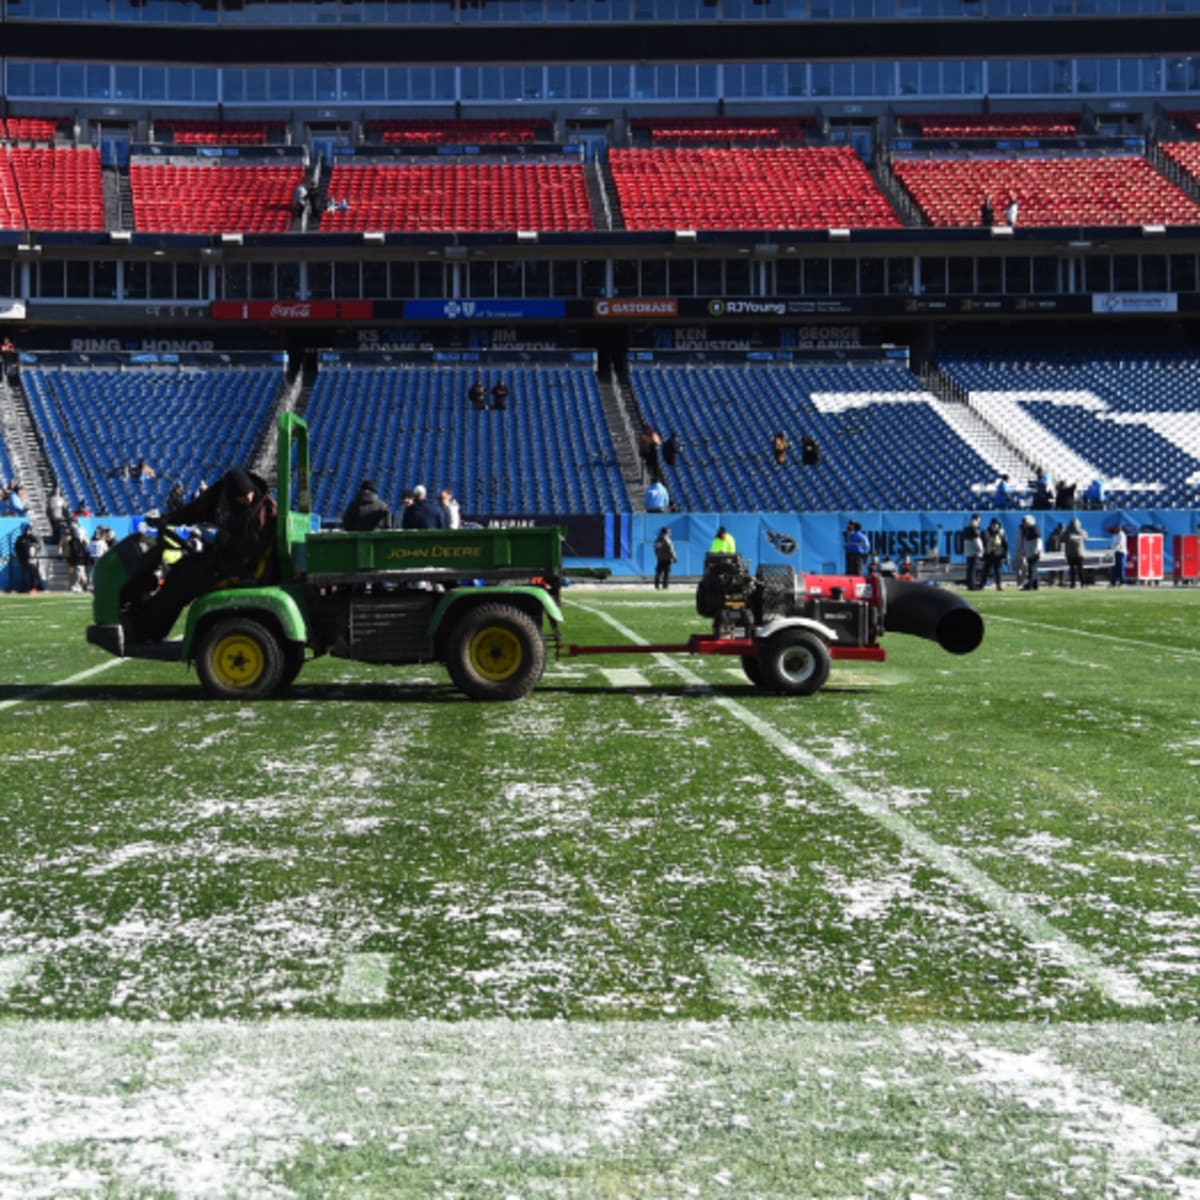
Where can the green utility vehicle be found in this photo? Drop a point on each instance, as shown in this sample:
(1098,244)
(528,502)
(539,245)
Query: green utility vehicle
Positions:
(482,601)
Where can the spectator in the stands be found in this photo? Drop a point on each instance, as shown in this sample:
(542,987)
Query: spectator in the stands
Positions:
(477,394)
(420,514)
(15,495)
(1010,212)
(1064,498)
(648,444)
(1043,493)
(500,395)
(175,498)
(658,499)
(670,450)
(1003,496)
(82,509)
(300,199)
(987,213)
(1094,496)
(57,514)
(780,447)
(810,452)
(366,512)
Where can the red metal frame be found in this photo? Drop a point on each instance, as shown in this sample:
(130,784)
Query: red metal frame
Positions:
(702,643)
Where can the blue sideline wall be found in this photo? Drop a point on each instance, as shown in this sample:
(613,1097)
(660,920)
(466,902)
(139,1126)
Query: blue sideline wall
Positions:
(813,541)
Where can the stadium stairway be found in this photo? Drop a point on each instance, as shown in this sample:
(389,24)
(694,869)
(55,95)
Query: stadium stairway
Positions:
(25,451)
(618,412)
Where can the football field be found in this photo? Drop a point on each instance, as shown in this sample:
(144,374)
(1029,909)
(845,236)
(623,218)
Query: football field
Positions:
(933,932)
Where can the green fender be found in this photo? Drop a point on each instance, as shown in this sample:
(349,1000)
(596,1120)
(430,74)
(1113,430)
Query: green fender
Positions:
(277,604)
(472,595)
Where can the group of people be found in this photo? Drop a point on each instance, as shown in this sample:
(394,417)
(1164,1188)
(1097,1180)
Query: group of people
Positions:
(79,550)
(810,452)
(987,212)
(987,552)
(1045,494)
(478,395)
(368,512)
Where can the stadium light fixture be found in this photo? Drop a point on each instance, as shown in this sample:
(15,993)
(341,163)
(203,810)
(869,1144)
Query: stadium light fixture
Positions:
(527,235)
(685,235)
(231,239)
(1002,231)
(1154,231)
(374,236)
(120,235)
(839,235)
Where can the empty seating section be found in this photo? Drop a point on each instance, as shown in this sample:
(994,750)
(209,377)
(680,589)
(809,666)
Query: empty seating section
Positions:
(989,125)
(1135,419)
(549,451)
(220,133)
(790,187)
(1050,191)
(436,197)
(1185,155)
(1190,118)
(31,129)
(187,423)
(45,187)
(481,131)
(679,131)
(209,198)
(882,443)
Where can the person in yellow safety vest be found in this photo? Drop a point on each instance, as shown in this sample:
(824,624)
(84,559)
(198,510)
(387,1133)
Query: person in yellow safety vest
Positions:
(723,543)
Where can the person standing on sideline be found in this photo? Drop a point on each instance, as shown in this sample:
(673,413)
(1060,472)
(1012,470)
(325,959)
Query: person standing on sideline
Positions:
(995,552)
(973,549)
(857,546)
(366,511)
(1120,548)
(451,513)
(664,558)
(723,543)
(1031,550)
(1074,544)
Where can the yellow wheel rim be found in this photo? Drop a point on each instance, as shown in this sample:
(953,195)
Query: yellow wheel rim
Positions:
(496,653)
(237,661)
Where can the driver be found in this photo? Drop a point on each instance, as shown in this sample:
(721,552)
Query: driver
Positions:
(239,515)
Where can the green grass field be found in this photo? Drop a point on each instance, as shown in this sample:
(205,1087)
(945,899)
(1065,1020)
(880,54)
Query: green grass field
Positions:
(934,932)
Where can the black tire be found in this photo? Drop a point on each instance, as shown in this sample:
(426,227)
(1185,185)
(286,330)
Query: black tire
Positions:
(794,662)
(293,661)
(239,659)
(752,669)
(496,652)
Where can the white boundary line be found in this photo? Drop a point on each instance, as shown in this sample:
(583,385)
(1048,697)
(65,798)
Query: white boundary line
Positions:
(1116,985)
(1101,637)
(46,688)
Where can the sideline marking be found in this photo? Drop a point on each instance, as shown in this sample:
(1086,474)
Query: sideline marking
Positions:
(46,688)
(1116,985)
(14,968)
(1102,637)
(365,979)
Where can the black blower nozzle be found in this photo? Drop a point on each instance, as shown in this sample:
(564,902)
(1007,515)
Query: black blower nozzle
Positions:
(932,613)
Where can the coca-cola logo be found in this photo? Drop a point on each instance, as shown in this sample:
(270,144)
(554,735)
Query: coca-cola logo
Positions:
(291,312)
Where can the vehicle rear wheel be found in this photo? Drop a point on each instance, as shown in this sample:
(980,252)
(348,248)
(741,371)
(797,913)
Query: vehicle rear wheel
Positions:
(752,669)
(239,659)
(795,662)
(496,652)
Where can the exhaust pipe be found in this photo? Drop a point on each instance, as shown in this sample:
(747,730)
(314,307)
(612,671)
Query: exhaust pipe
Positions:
(932,613)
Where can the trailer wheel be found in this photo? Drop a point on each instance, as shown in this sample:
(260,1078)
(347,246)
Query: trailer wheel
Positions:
(794,662)
(496,652)
(239,659)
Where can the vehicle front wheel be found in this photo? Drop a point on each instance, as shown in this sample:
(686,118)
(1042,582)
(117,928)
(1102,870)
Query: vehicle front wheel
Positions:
(239,659)
(794,662)
(496,652)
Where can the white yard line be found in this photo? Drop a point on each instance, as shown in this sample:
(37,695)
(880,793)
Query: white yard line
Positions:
(624,677)
(1116,985)
(46,688)
(365,979)
(1100,637)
